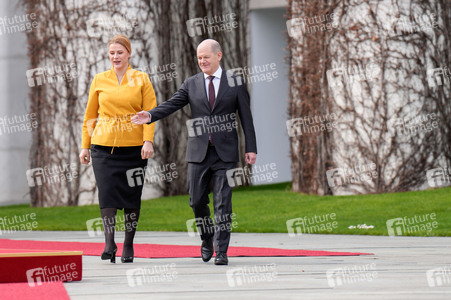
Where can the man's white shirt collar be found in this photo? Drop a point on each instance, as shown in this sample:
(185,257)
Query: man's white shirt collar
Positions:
(216,74)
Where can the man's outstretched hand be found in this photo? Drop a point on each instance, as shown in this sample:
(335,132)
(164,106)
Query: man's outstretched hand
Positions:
(140,118)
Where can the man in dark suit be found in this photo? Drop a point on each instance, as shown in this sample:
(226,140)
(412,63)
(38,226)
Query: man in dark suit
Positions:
(214,97)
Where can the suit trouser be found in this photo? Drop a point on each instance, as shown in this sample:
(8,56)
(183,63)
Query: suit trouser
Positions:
(199,178)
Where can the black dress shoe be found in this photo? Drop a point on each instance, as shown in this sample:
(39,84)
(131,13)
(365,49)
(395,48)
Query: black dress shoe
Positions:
(221,259)
(111,255)
(207,249)
(125,260)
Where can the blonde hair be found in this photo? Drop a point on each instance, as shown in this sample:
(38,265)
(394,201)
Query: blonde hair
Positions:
(121,40)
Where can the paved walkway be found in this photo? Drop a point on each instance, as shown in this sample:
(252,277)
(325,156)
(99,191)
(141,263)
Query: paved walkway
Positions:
(401,268)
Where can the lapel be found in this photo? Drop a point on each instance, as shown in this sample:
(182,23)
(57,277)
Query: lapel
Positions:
(200,84)
(223,86)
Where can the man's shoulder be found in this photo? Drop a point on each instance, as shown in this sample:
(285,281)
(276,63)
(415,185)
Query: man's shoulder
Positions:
(194,77)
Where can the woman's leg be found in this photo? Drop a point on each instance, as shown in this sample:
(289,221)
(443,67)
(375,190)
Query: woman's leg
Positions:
(109,223)
(131,216)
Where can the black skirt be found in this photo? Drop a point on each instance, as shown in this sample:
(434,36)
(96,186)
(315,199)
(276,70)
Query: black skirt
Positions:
(113,176)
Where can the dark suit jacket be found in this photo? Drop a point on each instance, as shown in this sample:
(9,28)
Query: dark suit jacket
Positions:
(232,97)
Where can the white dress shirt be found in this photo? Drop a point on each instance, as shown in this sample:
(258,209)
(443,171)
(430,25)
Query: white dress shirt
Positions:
(216,81)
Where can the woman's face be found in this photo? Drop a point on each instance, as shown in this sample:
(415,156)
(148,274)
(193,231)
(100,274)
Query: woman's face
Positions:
(118,56)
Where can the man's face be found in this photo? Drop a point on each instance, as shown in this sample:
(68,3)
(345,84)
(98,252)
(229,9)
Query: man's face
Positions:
(207,59)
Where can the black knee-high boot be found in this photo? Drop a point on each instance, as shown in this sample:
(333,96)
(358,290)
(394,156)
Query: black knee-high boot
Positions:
(131,217)
(109,223)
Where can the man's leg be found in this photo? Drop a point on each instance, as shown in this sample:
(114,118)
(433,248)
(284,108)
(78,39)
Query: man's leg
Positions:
(199,177)
(222,200)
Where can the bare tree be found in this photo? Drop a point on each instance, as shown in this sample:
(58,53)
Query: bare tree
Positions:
(366,68)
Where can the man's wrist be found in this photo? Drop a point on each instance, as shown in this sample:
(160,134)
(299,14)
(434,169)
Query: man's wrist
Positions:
(150,117)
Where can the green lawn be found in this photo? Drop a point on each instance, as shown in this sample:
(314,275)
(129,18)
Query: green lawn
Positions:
(268,208)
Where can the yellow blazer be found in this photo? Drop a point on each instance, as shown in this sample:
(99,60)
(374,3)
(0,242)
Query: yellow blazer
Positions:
(110,107)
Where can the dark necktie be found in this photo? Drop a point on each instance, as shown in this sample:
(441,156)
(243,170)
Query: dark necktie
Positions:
(211,92)
(211,99)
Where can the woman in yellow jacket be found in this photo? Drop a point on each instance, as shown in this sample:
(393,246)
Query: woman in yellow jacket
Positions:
(119,148)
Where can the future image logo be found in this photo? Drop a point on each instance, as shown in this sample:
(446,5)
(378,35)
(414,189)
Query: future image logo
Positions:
(211,124)
(51,74)
(148,275)
(18,123)
(95,227)
(311,124)
(355,175)
(12,224)
(51,174)
(299,27)
(438,76)
(152,174)
(108,25)
(248,275)
(18,23)
(341,75)
(253,74)
(411,126)
(439,177)
(58,272)
(211,25)
(255,174)
(200,226)
(439,276)
(351,274)
(412,225)
(310,225)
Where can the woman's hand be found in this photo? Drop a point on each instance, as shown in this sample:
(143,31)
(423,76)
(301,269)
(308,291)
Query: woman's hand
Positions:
(147,150)
(84,156)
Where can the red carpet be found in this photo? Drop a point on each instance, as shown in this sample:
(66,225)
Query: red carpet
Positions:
(45,291)
(157,250)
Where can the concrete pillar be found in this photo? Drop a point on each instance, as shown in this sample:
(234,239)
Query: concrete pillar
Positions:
(15,140)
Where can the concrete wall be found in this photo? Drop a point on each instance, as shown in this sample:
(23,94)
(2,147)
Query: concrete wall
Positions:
(14,146)
(270,98)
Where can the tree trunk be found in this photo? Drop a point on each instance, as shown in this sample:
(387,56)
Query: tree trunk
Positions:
(364,68)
